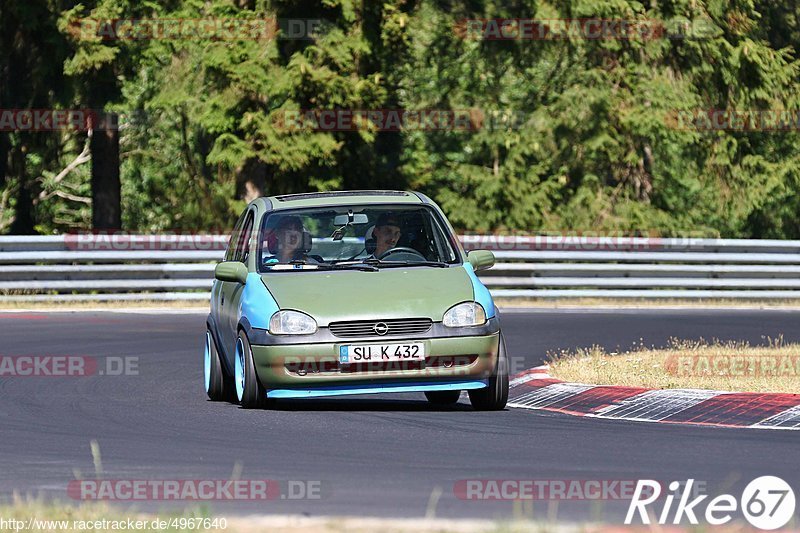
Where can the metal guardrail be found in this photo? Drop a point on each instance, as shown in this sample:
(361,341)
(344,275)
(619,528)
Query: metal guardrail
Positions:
(155,267)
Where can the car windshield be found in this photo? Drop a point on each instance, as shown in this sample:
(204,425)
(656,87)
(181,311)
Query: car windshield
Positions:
(357,236)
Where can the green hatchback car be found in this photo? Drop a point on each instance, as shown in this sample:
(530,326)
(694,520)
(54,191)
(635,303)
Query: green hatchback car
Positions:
(352,292)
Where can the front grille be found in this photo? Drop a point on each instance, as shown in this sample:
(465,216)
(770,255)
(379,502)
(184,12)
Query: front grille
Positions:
(367,328)
(381,366)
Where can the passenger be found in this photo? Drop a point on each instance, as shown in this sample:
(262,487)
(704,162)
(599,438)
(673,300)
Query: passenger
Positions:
(286,241)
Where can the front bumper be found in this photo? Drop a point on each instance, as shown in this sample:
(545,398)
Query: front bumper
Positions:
(464,359)
(340,390)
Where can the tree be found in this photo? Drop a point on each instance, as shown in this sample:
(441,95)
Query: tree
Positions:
(567,134)
(99,63)
(30,78)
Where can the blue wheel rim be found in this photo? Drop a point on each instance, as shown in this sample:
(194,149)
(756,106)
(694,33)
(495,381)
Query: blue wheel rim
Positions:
(207,362)
(239,369)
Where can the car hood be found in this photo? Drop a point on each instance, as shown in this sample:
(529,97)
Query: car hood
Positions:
(332,296)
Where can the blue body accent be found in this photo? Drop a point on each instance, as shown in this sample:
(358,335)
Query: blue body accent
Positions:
(376,389)
(257,303)
(480,292)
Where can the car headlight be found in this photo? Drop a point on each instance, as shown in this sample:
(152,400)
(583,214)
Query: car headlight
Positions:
(464,315)
(292,323)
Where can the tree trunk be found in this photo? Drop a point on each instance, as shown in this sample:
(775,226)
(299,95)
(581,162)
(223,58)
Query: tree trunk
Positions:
(106,206)
(5,146)
(23,210)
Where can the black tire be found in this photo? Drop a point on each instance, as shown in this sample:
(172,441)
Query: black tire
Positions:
(249,391)
(443,397)
(495,396)
(217,384)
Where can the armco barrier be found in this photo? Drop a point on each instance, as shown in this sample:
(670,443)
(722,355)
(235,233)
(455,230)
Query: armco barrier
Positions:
(158,267)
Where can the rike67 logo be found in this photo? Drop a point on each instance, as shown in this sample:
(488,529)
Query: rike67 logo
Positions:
(768,502)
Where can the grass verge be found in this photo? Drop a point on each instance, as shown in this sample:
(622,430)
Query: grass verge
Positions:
(36,516)
(728,366)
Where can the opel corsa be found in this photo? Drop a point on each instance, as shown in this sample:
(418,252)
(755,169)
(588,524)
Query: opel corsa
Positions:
(352,292)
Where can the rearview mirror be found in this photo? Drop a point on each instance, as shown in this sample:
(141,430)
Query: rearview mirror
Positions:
(342,220)
(481,259)
(233,271)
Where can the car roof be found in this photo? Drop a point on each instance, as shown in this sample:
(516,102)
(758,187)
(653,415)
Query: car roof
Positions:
(332,198)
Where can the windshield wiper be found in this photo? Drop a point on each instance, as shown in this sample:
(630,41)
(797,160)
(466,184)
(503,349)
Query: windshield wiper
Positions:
(283,267)
(335,266)
(356,265)
(438,264)
(374,262)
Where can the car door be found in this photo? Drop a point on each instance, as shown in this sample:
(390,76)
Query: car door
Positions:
(231,291)
(216,287)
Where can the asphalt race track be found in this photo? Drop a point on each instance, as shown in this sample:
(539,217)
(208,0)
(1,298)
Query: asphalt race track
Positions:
(379,455)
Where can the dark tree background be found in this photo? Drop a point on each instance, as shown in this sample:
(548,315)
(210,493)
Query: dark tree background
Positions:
(580,136)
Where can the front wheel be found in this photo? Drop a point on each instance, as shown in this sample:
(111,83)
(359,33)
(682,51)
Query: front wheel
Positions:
(249,391)
(495,396)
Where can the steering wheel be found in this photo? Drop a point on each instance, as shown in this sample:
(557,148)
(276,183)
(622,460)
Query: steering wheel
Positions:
(402,249)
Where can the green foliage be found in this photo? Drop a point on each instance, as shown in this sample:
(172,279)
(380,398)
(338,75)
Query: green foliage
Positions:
(571,134)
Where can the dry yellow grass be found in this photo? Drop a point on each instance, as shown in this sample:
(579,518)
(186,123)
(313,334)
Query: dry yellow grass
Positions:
(720,366)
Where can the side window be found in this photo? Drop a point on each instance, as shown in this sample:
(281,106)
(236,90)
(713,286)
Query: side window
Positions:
(243,242)
(230,252)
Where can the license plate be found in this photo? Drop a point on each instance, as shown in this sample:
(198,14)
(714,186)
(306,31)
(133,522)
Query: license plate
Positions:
(370,353)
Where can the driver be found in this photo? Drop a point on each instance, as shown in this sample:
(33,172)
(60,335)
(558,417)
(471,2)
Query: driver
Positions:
(386,233)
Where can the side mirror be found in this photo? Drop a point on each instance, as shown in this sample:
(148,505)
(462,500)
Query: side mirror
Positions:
(234,271)
(481,259)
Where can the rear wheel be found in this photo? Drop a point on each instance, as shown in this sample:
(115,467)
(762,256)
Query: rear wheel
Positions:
(249,391)
(495,396)
(217,384)
(443,397)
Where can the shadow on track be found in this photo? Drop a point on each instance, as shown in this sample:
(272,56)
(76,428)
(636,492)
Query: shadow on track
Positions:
(365,405)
